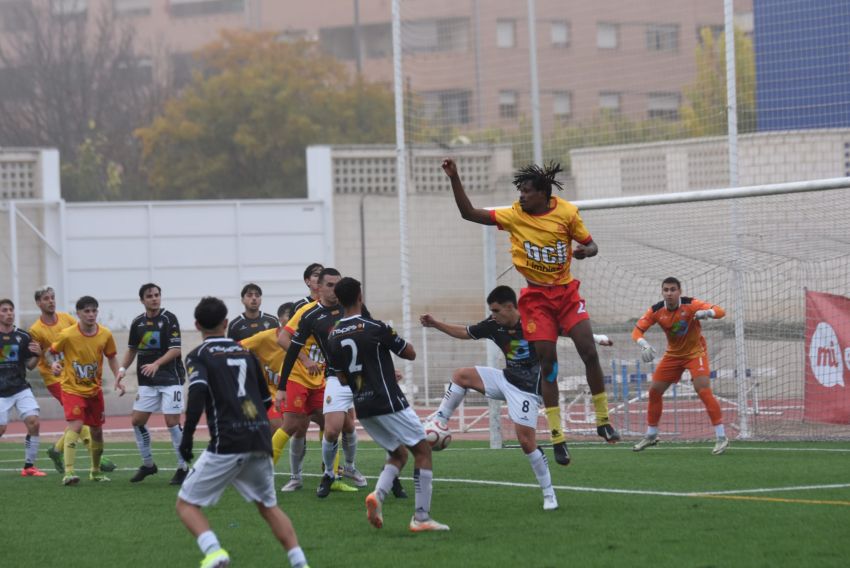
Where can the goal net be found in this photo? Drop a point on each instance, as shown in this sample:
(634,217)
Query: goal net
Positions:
(633,99)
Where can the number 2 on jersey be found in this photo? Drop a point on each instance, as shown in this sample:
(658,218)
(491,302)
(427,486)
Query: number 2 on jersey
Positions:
(353,367)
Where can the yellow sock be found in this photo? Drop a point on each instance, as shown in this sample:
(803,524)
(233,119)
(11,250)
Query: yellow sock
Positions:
(556,428)
(279,441)
(71,439)
(59,446)
(85,435)
(600,404)
(96,451)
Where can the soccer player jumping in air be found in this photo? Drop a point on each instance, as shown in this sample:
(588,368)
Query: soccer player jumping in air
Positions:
(542,228)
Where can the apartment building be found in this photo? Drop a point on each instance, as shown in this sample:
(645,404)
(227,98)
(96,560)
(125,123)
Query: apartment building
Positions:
(466,60)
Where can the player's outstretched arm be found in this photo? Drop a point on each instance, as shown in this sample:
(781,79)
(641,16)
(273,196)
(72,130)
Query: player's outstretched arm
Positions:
(451,329)
(464,205)
(586,250)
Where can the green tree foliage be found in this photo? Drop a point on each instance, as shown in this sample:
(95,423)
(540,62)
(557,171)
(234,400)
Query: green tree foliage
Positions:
(92,176)
(240,129)
(704,114)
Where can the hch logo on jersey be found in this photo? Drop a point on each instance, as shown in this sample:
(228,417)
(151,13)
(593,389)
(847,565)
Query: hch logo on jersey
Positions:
(88,371)
(548,254)
(825,356)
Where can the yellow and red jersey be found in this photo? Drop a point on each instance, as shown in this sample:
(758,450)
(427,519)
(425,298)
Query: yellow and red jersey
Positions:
(541,245)
(82,373)
(683,330)
(264,346)
(299,372)
(45,334)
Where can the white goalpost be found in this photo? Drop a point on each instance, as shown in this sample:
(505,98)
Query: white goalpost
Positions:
(647,109)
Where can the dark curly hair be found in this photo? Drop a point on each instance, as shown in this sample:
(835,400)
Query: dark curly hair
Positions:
(541,178)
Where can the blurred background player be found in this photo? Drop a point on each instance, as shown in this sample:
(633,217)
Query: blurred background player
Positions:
(360,354)
(252,320)
(225,381)
(155,338)
(18,353)
(83,347)
(542,228)
(311,280)
(679,317)
(44,331)
(316,320)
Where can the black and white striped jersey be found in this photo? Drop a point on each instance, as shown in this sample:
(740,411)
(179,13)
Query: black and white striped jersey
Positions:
(235,395)
(360,354)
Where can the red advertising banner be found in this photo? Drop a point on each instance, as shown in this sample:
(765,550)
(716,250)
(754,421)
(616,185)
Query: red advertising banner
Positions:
(827,395)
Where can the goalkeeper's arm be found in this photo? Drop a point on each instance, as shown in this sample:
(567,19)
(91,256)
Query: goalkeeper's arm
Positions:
(709,312)
(647,351)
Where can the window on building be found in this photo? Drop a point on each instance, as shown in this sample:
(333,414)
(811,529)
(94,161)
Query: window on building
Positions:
(560,33)
(68,8)
(14,16)
(664,105)
(508,104)
(135,73)
(610,102)
(446,107)
(506,33)
(607,35)
(424,36)
(338,42)
(562,104)
(190,8)
(377,40)
(662,37)
(132,7)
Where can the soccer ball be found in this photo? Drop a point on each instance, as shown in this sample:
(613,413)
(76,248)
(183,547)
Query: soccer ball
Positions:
(438,436)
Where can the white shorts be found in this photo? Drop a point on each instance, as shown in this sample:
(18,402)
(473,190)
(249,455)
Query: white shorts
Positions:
(338,397)
(390,431)
(168,400)
(522,406)
(251,474)
(24,401)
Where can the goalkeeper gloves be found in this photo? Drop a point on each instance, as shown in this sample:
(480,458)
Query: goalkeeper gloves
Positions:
(704,314)
(647,351)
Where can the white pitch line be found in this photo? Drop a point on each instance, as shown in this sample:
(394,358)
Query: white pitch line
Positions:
(772,489)
(582,489)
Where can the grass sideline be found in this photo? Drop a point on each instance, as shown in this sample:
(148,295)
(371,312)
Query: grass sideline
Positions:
(761,504)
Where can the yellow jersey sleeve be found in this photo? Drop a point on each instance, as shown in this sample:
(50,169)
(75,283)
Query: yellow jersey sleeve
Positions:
(265,347)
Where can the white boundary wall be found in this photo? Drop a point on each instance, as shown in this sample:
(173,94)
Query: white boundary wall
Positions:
(190,248)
